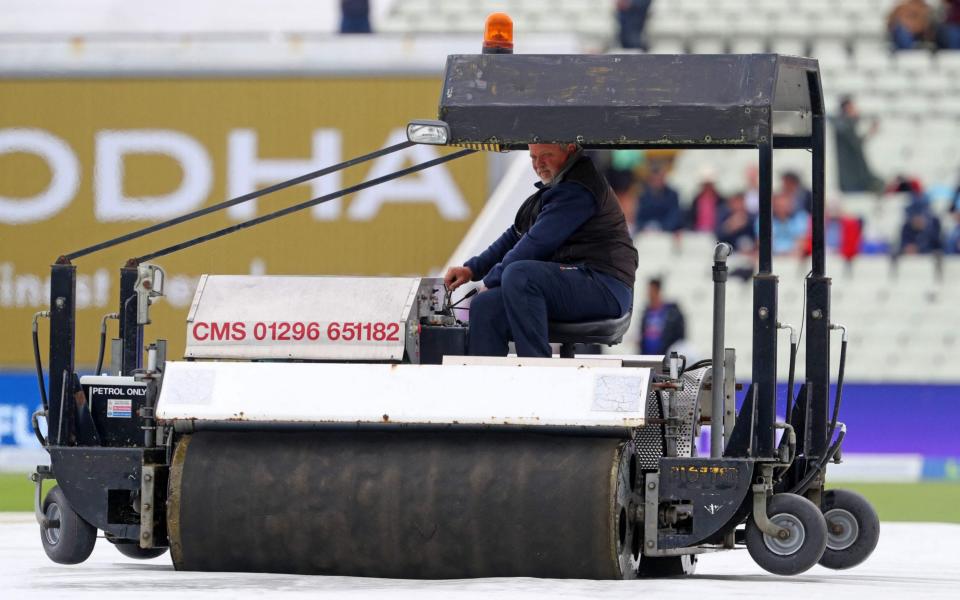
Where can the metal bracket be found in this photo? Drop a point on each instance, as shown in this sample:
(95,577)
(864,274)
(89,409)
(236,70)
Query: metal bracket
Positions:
(760,493)
(729,394)
(37,477)
(147,480)
(651,500)
(149,286)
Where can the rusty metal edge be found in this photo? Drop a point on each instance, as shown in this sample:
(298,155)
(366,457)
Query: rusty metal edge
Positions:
(173,501)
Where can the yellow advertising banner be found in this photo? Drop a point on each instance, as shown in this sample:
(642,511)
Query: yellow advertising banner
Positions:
(86,160)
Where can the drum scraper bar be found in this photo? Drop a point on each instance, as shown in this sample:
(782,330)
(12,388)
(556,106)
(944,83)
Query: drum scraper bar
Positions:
(235,393)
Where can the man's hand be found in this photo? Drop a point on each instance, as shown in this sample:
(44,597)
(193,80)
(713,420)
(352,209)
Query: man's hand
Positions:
(457,276)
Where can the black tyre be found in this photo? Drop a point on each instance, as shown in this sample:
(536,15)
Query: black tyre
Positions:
(72,540)
(798,552)
(667,566)
(853,529)
(133,550)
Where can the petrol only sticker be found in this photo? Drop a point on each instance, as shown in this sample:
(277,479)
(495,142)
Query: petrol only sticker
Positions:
(119,408)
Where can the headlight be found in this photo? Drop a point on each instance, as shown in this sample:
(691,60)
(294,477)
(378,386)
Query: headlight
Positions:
(428,132)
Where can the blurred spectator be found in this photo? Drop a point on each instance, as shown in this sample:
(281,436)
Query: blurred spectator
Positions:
(355,16)
(632,17)
(910,24)
(789,226)
(736,225)
(948,31)
(662,324)
(921,233)
(705,209)
(659,204)
(793,187)
(853,172)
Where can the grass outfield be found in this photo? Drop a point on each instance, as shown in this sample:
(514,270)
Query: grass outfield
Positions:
(928,501)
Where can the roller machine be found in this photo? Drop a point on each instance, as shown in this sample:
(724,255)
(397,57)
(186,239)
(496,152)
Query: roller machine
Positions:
(334,425)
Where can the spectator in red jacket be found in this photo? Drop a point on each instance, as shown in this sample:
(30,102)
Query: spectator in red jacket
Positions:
(707,204)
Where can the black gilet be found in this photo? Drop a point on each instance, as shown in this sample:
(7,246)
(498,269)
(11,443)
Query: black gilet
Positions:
(602,243)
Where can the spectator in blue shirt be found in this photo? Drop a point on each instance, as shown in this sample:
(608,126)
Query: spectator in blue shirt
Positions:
(659,205)
(789,227)
(792,186)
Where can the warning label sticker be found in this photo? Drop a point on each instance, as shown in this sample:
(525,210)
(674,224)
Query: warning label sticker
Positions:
(119,408)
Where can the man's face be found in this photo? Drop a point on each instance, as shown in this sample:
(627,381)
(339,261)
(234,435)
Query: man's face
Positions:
(548,159)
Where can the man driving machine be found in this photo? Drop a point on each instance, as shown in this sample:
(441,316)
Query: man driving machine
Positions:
(568,257)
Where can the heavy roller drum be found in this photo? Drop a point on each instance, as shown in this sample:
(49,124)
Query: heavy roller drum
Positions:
(406,504)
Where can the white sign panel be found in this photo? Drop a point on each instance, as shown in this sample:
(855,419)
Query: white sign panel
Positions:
(308,318)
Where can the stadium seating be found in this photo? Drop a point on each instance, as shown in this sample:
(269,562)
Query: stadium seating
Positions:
(899,316)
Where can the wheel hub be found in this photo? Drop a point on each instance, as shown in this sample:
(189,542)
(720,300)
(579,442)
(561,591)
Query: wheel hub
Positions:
(52,534)
(793,541)
(842,529)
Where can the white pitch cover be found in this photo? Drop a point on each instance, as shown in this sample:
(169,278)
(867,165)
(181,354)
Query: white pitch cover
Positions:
(409,394)
(300,317)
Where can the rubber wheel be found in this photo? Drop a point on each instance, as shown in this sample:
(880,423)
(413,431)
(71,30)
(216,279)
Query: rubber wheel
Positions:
(667,566)
(853,529)
(72,542)
(802,549)
(133,550)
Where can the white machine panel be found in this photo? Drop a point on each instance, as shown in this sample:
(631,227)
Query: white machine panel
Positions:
(407,394)
(305,318)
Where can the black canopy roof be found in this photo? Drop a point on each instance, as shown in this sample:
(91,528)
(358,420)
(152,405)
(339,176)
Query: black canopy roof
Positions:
(630,100)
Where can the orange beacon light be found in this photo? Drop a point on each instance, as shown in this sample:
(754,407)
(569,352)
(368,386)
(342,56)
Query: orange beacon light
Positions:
(498,34)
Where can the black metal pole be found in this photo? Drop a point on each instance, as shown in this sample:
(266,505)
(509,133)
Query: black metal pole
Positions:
(63,286)
(239,199)
(765,315)
(131,334)
(765,218)
(297,207)
(818,308)
(818,208)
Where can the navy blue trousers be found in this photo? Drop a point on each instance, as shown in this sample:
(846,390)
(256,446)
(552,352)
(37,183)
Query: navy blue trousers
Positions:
(532,292)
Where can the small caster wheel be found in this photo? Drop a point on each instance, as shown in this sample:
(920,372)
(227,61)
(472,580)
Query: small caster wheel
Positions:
(667,566)
(853,529)
(69,540)
(804,545)
(133,550)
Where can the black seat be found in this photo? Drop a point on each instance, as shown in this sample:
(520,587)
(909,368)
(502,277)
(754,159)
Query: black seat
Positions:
(607,332)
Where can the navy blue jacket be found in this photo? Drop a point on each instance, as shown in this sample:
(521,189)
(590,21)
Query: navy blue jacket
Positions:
(566,206)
